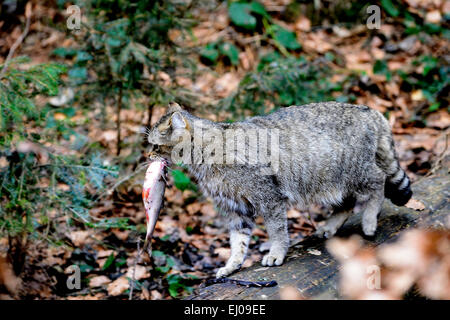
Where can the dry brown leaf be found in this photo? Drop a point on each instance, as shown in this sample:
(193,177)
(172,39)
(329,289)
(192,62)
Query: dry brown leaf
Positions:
(293,214)
(3,162)
(145,294)
(193,208)
(417,95)
(99,281)
(224,253)
(303,24)
(156,295)
(226,84)
(290,293)
(8,277)
(433,16)
(207,209)
(79,238)
(440,119)
(317,42)
(118,286)
(415,204)
(141,272)
(109,135)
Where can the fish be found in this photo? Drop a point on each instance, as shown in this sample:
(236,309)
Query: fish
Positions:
(153,197)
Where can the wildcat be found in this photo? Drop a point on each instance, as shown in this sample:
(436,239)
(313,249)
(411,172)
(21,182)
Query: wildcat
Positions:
(333,154)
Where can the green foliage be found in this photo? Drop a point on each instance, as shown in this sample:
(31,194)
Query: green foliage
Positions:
(286,38)
(245,15)
(381,67)
(411,20)
(433,81)
(176,283)
(121,40)
(390,8)
(213,52)
(182,181)
(17,90)
(36,182)
(249,15)
(281,82)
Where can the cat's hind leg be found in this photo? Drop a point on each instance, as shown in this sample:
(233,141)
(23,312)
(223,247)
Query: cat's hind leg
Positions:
(370,210)
(240,233)
(332,224)
(340,214)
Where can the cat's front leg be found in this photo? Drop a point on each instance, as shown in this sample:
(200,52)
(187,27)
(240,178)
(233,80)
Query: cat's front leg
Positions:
(276,225)
(240,233)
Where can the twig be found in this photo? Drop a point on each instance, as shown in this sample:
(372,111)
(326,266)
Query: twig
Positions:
(119,108)
(150,112)
(257,284)
(118,183)
(19,40)
(133,277)
(75,166)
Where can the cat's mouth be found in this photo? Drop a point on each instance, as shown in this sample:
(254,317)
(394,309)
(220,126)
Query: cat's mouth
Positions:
(158,152)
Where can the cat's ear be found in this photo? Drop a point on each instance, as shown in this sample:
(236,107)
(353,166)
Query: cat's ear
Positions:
(177,121)
(173,107)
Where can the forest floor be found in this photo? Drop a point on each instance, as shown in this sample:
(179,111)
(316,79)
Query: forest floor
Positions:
(191,240)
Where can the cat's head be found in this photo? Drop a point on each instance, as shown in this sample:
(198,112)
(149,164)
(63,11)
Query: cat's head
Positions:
(161,136)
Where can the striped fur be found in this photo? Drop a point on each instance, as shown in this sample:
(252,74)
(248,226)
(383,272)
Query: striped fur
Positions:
(397,186)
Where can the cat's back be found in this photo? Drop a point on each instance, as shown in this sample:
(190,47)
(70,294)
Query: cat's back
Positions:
(321,112)
(334,120)
(328,110)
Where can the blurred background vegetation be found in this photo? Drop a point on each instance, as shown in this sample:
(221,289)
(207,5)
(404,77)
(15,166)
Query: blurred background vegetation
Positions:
(75,103)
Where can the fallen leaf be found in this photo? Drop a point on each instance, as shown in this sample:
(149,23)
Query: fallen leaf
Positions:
(79,237)
(224,253)
(303,24)
(314,252)
(118,286)
(440,119)
(156,295)
(433,17)
(290,293)
(140,273)
(417,95)
(415,204)
(8,277)
(3,162)
(99,281)
(193,208)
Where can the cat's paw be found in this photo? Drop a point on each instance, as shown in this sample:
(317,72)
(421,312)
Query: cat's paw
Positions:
(369,228)
(225,271)
(369,225)
(326,231)
(273,258)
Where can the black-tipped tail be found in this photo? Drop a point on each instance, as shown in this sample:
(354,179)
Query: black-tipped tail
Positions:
(398,190)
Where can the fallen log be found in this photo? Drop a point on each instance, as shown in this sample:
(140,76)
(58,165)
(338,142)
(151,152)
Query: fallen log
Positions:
(311,268)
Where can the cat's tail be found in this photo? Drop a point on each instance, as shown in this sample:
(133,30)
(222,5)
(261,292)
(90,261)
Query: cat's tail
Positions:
(398,186)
